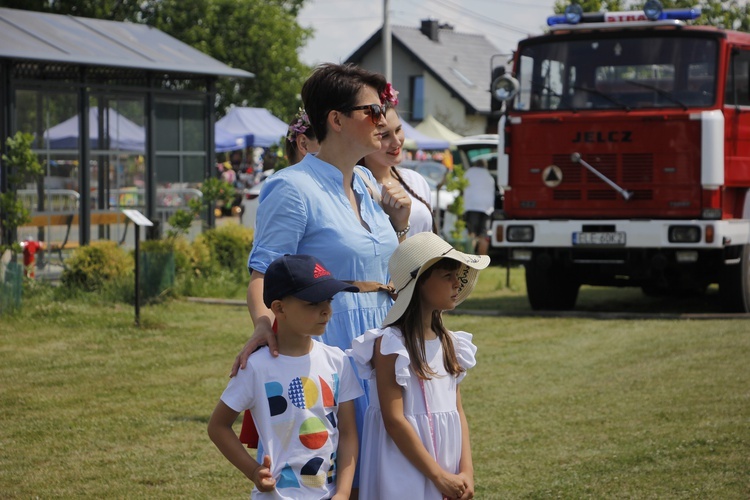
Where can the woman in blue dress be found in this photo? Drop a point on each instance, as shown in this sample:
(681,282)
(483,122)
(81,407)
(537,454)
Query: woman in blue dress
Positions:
(320,207)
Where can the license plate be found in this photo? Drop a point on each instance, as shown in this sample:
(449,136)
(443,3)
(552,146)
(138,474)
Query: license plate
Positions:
(607,239)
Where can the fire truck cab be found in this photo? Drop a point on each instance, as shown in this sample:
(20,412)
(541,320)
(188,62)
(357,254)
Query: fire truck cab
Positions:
(624,156)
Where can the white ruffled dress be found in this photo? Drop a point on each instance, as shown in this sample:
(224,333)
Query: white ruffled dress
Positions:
(384,471)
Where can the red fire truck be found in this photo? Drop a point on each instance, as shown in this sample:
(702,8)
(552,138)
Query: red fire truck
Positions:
(625,157)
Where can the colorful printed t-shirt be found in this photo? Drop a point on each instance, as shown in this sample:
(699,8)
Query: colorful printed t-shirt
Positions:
(294,402)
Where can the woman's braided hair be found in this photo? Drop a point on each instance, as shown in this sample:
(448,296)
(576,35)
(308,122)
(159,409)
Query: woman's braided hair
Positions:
(409,189)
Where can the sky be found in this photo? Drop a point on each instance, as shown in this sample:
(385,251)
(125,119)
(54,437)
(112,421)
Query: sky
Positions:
(341,26)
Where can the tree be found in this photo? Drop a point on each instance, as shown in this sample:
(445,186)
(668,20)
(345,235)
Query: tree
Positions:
(111,10)
(590,5)
(728,14)
(260,36)
(20,165)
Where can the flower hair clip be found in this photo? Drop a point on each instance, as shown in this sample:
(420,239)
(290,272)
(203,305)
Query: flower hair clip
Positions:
(389,96)
(299,126)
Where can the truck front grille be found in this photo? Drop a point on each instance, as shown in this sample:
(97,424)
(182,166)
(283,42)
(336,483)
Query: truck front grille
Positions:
(627,170)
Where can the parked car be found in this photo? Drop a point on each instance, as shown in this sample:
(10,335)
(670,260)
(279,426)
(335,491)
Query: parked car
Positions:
(471,148)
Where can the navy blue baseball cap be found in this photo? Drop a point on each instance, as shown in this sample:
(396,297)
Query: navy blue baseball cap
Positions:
(302,276)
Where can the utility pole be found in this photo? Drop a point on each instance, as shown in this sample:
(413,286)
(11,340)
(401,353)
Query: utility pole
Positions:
(387,62)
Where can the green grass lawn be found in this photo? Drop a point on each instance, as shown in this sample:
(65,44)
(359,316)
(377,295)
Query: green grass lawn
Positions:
(93,407)
(502,291)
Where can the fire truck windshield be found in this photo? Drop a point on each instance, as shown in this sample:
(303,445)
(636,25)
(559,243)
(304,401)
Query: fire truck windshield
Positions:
(617,72)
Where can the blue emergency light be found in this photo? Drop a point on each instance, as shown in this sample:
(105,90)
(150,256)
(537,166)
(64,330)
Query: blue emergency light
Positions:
(652,11)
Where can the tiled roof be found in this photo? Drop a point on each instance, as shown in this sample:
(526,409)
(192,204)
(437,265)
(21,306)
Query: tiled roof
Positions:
(460,61)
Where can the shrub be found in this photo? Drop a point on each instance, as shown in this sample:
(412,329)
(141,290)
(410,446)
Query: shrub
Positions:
(158,246)
(169,246)
(220,283)
(91,267)
(192,259)
(200,256)
(228,245)
(208,277)
(189,259)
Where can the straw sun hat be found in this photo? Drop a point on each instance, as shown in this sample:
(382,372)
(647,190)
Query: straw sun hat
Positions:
(415,255)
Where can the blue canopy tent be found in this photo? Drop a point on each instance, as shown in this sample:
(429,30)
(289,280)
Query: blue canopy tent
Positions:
(123,134)
(417,140)
(226,141)
(256,126)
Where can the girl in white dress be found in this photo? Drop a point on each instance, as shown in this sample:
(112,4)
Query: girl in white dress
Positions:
(415,441)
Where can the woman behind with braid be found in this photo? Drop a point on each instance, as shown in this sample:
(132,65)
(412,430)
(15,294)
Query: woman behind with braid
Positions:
(383,162)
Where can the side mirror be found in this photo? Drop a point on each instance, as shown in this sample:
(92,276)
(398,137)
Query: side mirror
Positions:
(504,88)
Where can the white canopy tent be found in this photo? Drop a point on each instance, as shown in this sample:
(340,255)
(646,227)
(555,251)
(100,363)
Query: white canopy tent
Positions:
(433,128)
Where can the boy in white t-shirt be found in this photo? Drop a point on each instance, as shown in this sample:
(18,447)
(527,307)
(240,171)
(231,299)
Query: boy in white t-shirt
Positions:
(302,401)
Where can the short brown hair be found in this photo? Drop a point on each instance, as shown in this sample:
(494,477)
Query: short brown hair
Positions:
(335,87)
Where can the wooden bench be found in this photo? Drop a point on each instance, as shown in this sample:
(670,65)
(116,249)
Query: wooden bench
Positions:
(69,219)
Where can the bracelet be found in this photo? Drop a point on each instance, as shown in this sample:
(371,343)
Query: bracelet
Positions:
(402,233)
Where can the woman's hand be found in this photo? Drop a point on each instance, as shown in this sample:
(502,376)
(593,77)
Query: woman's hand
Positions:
(263,335)
(396,204)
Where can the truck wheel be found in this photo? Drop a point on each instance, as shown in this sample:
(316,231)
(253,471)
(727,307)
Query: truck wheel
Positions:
(734,287)
(550,289)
